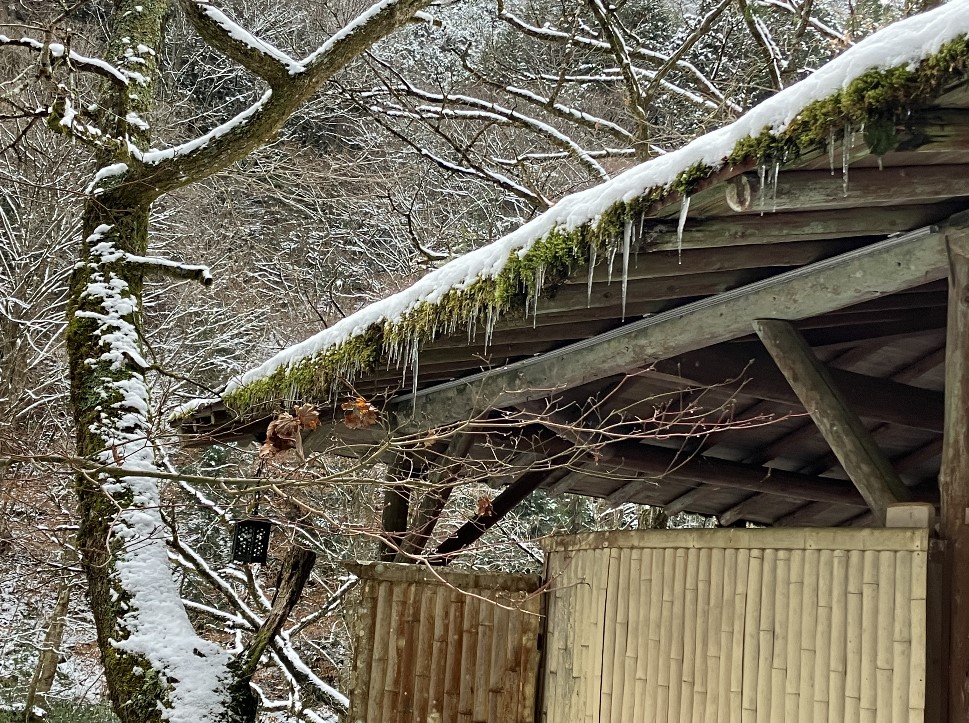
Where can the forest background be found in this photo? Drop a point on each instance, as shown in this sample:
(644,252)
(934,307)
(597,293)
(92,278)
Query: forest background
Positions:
(439,136)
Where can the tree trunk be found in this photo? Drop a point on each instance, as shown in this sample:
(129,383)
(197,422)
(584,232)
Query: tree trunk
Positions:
(155,665)
(50,652)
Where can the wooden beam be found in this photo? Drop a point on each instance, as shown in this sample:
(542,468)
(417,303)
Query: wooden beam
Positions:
(773,228)
(758,376)
(661,463)
(954,480)
(889,266)
(501,505)
(650,263)
(866,187)
(739,511)
(844,432)
(686,500)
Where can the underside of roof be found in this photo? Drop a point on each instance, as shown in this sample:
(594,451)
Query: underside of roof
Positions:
(640,322)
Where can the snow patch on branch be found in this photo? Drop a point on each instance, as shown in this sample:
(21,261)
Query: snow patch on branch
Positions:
(904,44)
(153,156)
(115,169)
(57,50)
(195,670)
(360,22)
(237,32)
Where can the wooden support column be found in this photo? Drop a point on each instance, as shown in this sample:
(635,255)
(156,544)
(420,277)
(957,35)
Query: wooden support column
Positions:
(442,483)
(954,480)
(393,517)
(843,430)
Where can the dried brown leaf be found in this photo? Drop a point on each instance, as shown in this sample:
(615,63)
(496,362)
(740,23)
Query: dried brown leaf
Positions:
(359,413)
(308,416)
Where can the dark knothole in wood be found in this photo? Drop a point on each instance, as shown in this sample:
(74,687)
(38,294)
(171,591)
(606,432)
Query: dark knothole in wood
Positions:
(250,540)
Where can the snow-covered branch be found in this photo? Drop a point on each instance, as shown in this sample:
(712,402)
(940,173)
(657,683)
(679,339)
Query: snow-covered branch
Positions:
(188,162)
(58,54)
(235,42)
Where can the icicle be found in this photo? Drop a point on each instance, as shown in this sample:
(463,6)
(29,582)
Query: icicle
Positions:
(762,177)
(846,157)
(626,239)
(831,151)
(489,327)
(592,267)
(539,282)
(414,360)
(881,166)
(612,257)
(684,210)
(777,171)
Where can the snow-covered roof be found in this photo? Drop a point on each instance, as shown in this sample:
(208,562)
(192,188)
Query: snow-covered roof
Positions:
(907,64)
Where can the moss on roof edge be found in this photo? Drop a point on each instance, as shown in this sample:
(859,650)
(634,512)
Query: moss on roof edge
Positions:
(878,100)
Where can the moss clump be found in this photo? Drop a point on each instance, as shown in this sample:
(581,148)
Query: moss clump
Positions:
(877,99)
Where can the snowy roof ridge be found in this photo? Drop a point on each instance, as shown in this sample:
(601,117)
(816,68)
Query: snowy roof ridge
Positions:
(904,44)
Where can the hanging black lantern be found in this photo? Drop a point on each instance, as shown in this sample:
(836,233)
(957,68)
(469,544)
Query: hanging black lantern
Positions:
(250,540)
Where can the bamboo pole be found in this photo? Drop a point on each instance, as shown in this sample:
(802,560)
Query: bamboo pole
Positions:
(702,634)
(869,635)
(726,635)
(836,664)
(809,622)
(737,651)
(822,637)
(382,639)
(782,601)
(601,573)
(662,567)
(714,634)
(469,653)
(638,598)
(690,624)
(853,644)
(766,632)
(751,637)
(795,621)
(662,691)
(884,648)
(919,652)
(652,567)
(902,637)
(611,615)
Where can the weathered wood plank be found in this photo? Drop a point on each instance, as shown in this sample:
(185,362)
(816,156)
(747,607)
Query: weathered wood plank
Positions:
(847,436)
(898,263)
(804,190)
(775,228)
(954,477)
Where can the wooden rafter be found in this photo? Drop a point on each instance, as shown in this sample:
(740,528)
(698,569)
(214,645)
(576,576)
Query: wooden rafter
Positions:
(758,376)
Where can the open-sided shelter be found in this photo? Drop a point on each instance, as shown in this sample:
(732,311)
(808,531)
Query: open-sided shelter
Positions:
(806,266)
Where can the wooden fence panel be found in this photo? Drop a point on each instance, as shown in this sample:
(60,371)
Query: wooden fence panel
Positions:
(737,626)
(445,646)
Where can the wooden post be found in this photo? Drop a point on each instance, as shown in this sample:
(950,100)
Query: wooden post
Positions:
(843,430)
(393,517)
(954,479)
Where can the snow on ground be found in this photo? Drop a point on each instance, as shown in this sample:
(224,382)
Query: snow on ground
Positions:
(905,43)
